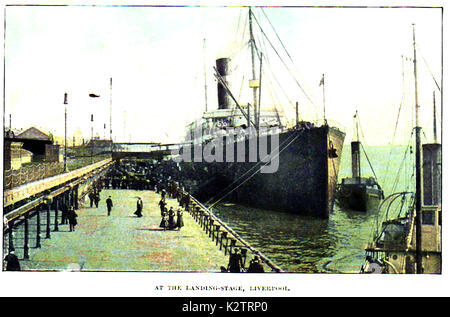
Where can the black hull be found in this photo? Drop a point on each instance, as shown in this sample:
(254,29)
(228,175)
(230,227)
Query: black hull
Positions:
(304,183)
(358,197)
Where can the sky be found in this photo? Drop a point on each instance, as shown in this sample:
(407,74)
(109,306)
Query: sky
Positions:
(158,58)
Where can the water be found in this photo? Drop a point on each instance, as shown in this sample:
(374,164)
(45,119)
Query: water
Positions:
(308,245)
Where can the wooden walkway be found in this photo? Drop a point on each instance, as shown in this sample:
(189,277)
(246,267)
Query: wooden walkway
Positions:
(123,242)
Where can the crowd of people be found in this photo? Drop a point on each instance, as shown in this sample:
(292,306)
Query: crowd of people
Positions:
(236,263)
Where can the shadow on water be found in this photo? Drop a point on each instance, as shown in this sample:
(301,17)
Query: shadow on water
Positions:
(303,244)
(309,245)
(294,242)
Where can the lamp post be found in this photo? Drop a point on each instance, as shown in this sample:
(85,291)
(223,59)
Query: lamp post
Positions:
(65,132)
(110,114)
(92,127)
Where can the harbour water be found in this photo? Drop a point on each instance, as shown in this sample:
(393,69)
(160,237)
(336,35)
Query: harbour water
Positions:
(308,245)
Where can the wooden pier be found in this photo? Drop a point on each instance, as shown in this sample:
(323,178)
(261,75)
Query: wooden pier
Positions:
(123,242)
(40,236)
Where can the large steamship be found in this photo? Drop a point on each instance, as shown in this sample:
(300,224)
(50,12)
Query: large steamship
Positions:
(308,153)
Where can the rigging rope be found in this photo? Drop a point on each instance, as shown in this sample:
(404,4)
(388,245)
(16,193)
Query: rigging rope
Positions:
(295,135)
(429,70)
(397,178)
(362,134)
(251,176)
(290,72)
(281,42)
(396,123)
(262,44)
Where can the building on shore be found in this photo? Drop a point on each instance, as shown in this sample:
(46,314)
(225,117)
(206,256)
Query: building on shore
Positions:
(31,145)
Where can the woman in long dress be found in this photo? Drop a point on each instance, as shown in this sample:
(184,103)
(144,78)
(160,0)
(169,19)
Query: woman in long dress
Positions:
(180,222)
(164,221)
(172,223)
(139,206)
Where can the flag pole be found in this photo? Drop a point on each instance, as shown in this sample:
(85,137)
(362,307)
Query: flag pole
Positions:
(65,132)
(323,92)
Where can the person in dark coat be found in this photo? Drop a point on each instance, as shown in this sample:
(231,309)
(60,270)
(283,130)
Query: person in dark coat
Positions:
(12,262)
(180,222)
(72,216)
(172,223)
(64,213)
(162,205)
(109,205)
(235,262)
(187,201)
(255,265)
(164,221)
(96,199)
(91,198)
(139,207)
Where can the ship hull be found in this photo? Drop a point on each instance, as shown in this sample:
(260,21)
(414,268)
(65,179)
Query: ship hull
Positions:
(358,197)
(304,183)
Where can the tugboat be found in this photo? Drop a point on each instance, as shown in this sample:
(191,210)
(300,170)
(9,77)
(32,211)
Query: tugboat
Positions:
(356,192)
(409,239)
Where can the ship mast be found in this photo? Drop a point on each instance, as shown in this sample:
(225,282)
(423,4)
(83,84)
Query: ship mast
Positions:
(252,44)
(204,73)
(418,131)
(434,119)
(356,154)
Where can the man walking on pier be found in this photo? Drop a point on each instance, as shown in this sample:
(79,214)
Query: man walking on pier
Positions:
(109,205)
(96,199)
(91,198)
(72,216)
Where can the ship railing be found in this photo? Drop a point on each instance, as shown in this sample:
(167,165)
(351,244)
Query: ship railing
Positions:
(218,231)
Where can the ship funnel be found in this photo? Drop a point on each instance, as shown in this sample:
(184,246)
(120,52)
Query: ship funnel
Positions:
(223,68)
(432,174)
(356,161)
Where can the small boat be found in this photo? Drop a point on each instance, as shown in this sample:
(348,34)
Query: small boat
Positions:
(409,240)
(356,192)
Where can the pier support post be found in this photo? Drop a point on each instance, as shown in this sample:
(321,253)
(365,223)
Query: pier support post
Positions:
(196,213)
(211,227)
(26,255)
(226,242)
(244,255)
(70,196)
(47,205)
(206,223)
(217,234)
(222,236)
(10,236)
(56,213)
(232,244)
(38,226)
(65,201)
(76,198)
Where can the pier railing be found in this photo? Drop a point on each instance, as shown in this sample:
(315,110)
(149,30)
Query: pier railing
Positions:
(225,237)
(15,178)
(38,171)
